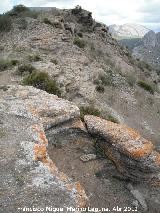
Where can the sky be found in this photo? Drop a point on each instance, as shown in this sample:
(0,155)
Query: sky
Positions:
(145,12)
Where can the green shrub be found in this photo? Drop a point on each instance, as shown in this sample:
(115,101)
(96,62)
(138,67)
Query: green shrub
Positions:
(41,80)
(2,133)
(107,78)
(88,110)
(112,119)
(80,34)
(14,62)
(145,85)
(5,23)
(4,64)
(25,69)
(23,11)
(54,61)
(34,58)
(79,42)
(100,88)
(47,21)
(20,9)
(131,79)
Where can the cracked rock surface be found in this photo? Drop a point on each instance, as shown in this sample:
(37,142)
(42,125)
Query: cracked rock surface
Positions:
(28,176)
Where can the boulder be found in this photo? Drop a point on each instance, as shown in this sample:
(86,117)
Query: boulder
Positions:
(134,156)
(29,178)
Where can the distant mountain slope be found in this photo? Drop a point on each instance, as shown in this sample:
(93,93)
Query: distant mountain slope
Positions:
(131,43)
(149,50)
(128,30)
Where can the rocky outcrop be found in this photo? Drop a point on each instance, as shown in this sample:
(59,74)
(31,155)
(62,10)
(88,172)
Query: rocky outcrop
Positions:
(134,156)
(151,39)
(28,176)
(128,30)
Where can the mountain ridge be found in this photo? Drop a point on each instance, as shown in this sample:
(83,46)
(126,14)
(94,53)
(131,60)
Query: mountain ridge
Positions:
(128,30)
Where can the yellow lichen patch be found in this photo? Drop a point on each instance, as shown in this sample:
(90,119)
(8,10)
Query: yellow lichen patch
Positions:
(40,152)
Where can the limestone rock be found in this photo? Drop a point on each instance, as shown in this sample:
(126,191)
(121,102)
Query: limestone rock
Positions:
(39,105)
(28,176)
(139,197)
(133,155)
(88,157)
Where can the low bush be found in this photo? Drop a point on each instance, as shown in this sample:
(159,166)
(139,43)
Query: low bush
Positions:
(80,34)
(34,58)
(20,9)
(131,79)
(47,21)
(145,85)
(23,11)
(14,62)
(4,64)
(79,42)
(112,119)
(25,69)
(41,80)
(5,23)
(54,61)
(88,110)
(100,88)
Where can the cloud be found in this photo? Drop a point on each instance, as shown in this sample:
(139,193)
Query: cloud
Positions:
(5,6)
(144,12)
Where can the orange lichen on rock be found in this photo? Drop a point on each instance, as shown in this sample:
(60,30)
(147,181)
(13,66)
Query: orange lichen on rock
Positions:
(136,150)
(41,134)
(126,139)
(43,137)
(157,159)
(131,132)
(81,197)
(32,110)
(40,152)
(127,149)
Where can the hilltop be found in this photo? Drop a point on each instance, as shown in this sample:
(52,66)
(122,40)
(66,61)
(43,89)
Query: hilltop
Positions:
(77,111)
